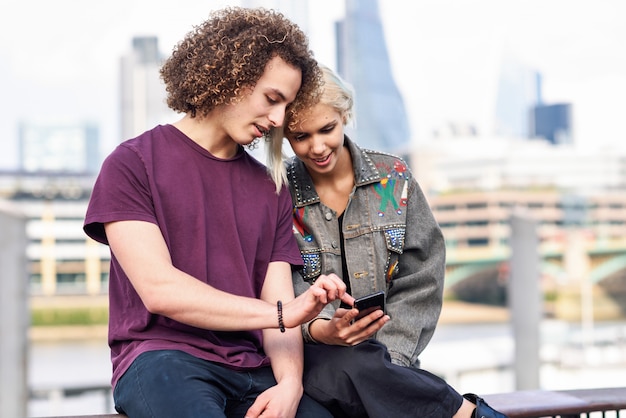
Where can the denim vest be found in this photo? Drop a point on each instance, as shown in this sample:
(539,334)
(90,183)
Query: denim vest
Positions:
(392,242)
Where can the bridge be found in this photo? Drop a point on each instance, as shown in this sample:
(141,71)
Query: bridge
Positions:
(567,266)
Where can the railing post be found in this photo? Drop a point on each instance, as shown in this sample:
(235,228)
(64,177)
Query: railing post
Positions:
(524,296)
(14,314)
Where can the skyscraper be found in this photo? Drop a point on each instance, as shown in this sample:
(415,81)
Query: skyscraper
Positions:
(363,61)
(142,92)
(518,91)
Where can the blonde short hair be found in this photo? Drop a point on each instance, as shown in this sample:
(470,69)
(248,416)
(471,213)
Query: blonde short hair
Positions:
(334,92)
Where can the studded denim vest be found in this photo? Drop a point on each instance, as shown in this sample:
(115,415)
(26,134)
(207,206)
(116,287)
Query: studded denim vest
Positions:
(391,240)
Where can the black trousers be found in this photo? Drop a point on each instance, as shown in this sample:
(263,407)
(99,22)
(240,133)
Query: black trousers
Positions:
(361,381)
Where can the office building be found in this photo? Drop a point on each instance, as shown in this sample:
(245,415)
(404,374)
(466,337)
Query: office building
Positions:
(496,163)
(61,258)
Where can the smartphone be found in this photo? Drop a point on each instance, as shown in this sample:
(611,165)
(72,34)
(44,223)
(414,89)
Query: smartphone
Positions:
(368,304)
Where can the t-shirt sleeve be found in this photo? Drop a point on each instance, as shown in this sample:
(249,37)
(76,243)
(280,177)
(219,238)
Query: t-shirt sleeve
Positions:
(286,246)
(121,192)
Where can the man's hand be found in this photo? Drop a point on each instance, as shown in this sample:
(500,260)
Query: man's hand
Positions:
(309,304)
(280,401)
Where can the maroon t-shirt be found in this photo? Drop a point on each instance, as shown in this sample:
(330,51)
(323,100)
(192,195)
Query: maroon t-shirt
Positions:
(223,223)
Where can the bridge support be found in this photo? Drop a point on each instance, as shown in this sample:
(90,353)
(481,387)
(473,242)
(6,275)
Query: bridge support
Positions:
(524,296)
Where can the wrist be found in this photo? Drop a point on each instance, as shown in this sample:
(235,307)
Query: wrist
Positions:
(292,383)
(315,328)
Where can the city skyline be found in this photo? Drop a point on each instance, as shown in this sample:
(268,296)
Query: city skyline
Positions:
(60,60)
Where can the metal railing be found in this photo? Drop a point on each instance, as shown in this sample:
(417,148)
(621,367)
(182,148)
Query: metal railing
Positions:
(587,403)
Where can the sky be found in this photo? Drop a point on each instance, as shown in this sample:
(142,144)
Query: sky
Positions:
(59,59)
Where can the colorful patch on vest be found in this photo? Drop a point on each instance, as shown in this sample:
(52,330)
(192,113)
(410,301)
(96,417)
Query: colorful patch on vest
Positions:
(387,186)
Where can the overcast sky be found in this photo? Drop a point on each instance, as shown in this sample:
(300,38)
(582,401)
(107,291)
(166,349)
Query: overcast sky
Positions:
(59,59)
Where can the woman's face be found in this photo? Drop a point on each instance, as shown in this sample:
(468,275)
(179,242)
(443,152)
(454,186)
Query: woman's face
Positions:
(318,139)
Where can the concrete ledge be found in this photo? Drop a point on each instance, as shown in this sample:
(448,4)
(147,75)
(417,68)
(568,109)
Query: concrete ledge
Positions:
(532,403)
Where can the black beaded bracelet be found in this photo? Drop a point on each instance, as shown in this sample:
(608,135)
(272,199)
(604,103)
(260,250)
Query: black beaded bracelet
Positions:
(281,324)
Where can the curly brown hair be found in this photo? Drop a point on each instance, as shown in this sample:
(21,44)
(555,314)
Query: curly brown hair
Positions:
(219,59)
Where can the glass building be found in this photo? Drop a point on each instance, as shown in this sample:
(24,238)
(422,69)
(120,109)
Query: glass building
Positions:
(363,61)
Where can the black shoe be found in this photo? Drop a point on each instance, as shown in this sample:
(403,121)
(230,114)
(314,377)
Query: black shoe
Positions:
(483,410)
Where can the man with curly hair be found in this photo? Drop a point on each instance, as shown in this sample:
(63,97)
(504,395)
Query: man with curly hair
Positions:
(203,318)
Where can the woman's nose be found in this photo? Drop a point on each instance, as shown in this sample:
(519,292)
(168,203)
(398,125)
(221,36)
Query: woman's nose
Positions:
(318,145)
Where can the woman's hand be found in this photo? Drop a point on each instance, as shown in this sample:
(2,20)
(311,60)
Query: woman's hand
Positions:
(342,329)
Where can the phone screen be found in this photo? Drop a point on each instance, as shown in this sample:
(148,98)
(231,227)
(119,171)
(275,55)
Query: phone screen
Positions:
(370,303)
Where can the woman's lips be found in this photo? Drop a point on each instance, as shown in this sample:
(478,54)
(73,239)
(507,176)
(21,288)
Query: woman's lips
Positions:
(321,161)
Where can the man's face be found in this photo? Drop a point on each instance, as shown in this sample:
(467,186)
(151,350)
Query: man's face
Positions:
(263,106)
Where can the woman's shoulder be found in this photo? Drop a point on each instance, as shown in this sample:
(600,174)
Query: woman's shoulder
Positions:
(388,163)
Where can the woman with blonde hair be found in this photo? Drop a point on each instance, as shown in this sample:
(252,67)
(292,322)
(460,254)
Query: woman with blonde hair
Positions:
(361,214)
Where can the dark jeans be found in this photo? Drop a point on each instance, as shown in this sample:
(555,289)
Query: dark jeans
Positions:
(174,384)
(361,381)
